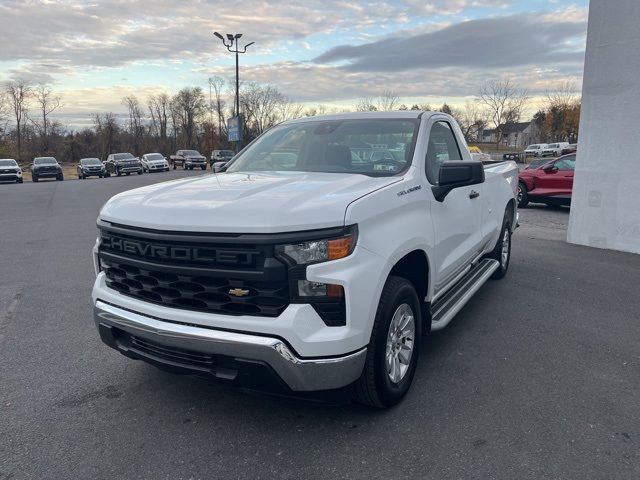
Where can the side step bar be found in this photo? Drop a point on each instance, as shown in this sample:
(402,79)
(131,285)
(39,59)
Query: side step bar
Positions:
(445,308)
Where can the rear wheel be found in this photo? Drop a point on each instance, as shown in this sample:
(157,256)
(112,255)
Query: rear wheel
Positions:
(523,195)
(392,353)
(502,250)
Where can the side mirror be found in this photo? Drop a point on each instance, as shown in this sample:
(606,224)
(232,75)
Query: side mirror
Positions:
(550,169)
(218,166)
(457,174)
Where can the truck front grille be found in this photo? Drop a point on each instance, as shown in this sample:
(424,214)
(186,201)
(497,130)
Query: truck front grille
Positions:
(191,273)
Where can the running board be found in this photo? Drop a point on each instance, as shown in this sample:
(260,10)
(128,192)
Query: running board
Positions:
(445,308)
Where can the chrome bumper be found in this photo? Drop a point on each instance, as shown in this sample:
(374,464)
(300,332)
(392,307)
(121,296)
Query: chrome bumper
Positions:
(300,374)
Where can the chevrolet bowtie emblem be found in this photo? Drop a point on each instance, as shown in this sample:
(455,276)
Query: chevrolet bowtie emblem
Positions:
(238,292)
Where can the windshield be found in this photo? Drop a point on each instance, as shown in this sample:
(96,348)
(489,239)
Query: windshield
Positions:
(90,161)
(8,163)
(191,153)
(225,153)
(155,156)
(123,156)
(374,147)
(44,161)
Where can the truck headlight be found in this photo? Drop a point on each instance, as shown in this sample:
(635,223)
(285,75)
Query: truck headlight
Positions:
(317,251)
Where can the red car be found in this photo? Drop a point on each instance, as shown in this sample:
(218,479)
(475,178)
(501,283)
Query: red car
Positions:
(550,183)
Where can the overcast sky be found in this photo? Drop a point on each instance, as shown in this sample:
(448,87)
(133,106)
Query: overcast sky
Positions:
(316,51)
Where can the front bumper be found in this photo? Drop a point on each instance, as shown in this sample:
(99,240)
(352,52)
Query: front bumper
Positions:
(9,176)
(157,166)
(189,341)
(47,174)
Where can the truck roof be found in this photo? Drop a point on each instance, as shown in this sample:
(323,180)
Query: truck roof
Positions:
(409,114)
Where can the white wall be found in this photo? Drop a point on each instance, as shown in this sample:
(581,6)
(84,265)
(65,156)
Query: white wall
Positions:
(605,208)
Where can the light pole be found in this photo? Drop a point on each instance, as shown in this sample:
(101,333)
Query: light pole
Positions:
(231,42)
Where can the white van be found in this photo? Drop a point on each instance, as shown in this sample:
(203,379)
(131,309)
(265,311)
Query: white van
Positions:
(535,150)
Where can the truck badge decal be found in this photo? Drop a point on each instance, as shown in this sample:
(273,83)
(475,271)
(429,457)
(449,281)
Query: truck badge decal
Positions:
(409,190)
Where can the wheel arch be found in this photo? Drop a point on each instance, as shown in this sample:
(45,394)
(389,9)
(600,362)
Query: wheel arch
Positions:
(414,266)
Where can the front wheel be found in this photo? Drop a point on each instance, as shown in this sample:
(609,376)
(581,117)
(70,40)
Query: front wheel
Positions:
(140,172)
(502,250)
(392,353)
(59,178)
(34,178)
(523,195)
(19,180)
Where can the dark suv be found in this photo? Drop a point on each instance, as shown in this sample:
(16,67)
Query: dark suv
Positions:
(89,167)
(120,163)
(45,167)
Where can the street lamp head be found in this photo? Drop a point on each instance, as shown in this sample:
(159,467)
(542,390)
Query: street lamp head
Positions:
(218,35)
(238,35)
(230,37)
(248,45)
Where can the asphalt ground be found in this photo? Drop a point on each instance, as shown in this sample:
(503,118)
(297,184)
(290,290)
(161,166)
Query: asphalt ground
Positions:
(538,377)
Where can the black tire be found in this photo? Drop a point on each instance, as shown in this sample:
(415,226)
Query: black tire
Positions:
(34,178)
(127,173)
(174,166)
(19,180)
(523,195)
(374,387)
(60,178)
(140,172)
(203,167)
(80,176)
(118,173)
(497,253)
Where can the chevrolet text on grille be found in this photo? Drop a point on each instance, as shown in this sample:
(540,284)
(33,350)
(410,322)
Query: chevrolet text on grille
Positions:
(229,257)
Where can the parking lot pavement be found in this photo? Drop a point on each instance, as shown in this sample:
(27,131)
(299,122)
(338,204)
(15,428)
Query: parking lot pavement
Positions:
(537,377)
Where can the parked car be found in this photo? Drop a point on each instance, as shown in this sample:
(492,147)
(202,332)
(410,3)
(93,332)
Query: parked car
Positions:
(551,184)
(554,149)
(536,163)
(188,160)
(10,170)
(119,163)
(572,148)
(534,150)
(316,278)
(154,162)
(46,167)
(477,154)
(91,167)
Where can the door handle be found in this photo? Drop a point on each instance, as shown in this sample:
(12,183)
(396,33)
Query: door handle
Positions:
(474,194)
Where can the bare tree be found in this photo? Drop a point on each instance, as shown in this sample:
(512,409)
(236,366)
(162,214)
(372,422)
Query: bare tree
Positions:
(217,103)
(260,105)
(472,120)
(366,104)
(504,102)
(135,121)
(317,110)
(189,105)
(18,93)
(158,106)
(4,113)
(387,101)
(106,128)
(47,102)
(562,97)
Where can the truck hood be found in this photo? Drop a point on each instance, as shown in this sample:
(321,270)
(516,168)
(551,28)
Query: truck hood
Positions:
(243,203)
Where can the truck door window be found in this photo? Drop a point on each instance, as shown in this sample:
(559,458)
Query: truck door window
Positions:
(442,147)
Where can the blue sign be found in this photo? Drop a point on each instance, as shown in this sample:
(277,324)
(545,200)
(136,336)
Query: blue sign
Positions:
(234,129)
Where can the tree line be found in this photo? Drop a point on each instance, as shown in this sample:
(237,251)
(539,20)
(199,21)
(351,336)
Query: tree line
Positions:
(196,118)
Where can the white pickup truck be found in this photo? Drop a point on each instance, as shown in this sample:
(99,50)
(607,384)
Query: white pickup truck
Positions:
(316,261)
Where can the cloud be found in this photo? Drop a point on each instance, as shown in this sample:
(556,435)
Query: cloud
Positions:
(500,42)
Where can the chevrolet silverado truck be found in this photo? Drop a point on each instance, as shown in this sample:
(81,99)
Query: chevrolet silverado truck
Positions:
(308,263)
(188,160)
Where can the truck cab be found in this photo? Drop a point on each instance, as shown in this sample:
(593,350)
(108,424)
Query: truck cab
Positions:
(311,258)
